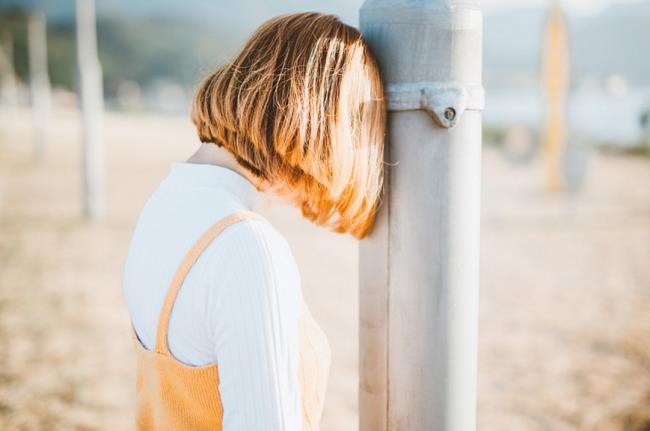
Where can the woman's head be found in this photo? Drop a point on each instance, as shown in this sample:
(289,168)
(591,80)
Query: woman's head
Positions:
(302,108)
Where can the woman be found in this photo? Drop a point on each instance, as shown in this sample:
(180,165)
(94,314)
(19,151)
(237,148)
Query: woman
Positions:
(224,338)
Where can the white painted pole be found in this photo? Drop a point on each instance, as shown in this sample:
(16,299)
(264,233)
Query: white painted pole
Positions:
(92,106)
(39,79)
(419,268)
(7,70)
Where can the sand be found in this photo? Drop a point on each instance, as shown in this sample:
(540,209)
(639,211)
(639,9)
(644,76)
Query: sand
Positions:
(565,286)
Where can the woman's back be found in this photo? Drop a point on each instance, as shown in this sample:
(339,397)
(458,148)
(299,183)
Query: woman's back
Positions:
(300,113)
(240,305)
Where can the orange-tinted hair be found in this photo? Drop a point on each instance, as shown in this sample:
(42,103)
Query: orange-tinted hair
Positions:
(302,108)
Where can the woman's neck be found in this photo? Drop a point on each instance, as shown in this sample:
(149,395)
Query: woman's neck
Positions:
(211,154)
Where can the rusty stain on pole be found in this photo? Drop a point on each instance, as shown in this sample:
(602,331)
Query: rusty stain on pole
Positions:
(419,267)
(92,106)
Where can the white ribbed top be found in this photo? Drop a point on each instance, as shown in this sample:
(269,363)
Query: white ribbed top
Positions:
(240,303)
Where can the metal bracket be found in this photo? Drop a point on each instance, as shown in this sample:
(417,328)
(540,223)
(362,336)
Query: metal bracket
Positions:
(445,102)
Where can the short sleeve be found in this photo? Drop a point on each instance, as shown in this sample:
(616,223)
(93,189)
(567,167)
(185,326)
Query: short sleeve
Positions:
(254,312)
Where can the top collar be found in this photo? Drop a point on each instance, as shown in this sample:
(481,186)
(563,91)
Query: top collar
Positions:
(208,175)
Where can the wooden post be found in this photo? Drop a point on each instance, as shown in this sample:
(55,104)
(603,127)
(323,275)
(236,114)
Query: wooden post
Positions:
(39,79)
(555,75)
(419,268)
(92,101)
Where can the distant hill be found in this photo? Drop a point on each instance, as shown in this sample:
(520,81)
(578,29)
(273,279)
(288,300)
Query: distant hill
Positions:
(148,39)
(136,49)
(613,41)
(511,47)
(246,13)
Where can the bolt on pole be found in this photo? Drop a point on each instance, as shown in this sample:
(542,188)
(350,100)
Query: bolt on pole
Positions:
(419,268)
(92,107)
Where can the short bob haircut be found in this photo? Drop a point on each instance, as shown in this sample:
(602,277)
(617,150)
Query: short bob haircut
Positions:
(302,108)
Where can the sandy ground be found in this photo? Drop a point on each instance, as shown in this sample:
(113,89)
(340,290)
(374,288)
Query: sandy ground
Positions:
(565,287)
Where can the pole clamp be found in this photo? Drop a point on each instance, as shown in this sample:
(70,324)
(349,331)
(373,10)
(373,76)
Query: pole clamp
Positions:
(445,102)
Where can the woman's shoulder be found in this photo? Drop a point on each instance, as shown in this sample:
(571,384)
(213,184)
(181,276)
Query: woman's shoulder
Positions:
(257,234)
(250,269)
(254,244)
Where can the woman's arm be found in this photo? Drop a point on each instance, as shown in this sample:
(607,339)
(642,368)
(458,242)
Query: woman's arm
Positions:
(254,315)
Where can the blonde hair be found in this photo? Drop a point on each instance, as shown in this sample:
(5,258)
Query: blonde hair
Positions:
(302,108)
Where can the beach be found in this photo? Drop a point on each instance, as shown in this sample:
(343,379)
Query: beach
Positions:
(564,299)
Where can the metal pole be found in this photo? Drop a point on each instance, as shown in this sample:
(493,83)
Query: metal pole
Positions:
(92,106)
(419,268)
(39,80)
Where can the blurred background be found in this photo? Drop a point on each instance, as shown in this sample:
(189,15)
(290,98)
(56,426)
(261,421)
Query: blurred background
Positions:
(565,255)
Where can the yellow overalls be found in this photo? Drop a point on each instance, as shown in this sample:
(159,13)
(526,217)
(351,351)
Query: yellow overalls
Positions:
(175,397)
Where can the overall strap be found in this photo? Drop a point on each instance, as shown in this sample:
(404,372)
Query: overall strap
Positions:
(184,268)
